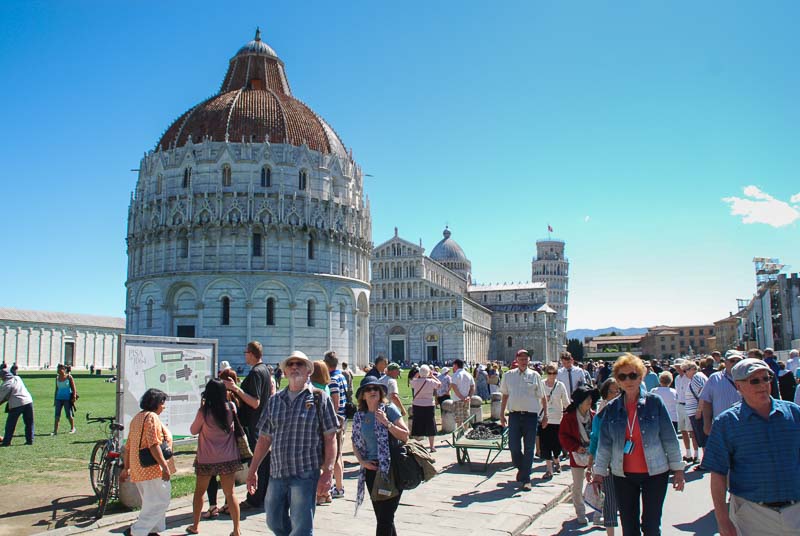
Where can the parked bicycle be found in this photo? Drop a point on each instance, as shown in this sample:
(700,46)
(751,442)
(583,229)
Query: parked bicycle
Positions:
(105,464)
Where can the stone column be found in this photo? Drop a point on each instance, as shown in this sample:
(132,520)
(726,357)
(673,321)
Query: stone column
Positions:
(292,307)
(248,305)
(329,309)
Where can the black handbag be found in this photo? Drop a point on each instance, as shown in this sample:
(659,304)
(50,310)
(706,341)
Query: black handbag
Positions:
(146,458)
(406,470)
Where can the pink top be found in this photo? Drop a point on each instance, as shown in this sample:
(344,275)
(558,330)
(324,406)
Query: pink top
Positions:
(215,445)
(424,391)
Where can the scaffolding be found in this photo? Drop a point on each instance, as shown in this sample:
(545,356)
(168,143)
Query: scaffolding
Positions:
(767,269)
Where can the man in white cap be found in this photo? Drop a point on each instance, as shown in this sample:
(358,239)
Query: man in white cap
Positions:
(300,464)
(720,393)
(764,487)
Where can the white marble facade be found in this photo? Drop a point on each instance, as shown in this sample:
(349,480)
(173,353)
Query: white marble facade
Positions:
(260,231)
(551,266)
(36,340)
(425,309)
(420,311)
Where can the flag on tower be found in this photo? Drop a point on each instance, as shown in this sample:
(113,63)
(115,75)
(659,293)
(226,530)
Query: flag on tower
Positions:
(549,229)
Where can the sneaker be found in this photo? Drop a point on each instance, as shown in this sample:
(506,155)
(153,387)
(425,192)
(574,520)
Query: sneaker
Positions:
(598,520)
(526,486)
(72,431)
(337,493)
(583,521)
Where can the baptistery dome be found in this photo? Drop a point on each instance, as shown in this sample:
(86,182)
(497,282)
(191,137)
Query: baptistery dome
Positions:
(249,221)
(450,255)
(255,103)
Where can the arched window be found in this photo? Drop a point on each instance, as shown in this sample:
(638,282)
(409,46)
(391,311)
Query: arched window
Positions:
(149,314)
(187,177)
(310,247)
(183,247)
(342,316)
(310,321)
(303,179)
(226,175)
(226,311)
(510,342)
(410,311)
(159,184)
(266,177)
(256,244)
(270,311)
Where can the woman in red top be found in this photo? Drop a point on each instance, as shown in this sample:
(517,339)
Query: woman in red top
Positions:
(573,433)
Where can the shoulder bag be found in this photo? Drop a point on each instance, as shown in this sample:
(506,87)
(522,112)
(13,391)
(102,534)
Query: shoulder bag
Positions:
(245,454)
(146,458)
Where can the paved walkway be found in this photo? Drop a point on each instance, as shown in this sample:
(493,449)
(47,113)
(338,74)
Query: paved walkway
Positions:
(469,503)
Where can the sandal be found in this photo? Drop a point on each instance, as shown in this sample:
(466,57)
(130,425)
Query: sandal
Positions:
(224,510)
(212,513)
(548,475)
(191,530)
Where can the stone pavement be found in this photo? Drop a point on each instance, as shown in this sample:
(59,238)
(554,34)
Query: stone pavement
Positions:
(466,502)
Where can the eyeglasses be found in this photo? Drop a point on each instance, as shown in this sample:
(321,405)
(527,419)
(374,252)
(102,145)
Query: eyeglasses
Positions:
(632,376)
(763,379)
(295,364)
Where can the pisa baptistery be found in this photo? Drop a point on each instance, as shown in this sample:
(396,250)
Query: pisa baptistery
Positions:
(249,221)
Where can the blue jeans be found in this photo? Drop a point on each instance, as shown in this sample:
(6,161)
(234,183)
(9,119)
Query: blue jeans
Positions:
(11,423)
(290,504)
(522,427)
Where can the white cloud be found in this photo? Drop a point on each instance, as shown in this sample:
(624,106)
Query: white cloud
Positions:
(760,207)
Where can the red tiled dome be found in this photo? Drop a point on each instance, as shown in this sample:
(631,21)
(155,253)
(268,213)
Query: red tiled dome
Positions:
(255,103)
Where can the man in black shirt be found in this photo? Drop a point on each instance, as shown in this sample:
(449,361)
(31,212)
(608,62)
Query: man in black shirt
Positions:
(378,370)
(254,394)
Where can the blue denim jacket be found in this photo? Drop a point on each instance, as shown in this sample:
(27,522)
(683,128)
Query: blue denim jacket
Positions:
(662,452)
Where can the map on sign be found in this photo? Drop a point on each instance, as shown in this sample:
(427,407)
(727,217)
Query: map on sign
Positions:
(179,367)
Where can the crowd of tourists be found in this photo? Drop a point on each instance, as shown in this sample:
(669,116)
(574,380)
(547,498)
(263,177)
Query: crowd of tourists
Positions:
(630,427)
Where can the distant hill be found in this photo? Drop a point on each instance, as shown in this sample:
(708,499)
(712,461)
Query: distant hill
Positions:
(580,334)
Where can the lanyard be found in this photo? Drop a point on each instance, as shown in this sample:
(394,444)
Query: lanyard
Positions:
(632,423)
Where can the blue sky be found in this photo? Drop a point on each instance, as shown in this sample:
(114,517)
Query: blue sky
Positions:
(624,125)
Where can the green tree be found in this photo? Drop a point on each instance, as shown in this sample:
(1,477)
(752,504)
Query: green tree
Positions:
(575,347)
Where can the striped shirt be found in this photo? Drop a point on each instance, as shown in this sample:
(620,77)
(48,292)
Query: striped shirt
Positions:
(295,431)
(740,447)
(338,386)
(693,391)
(720,392)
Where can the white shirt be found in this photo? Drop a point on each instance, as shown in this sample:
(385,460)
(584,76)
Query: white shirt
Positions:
(464,381)
(578,378)
(557,401)
(670,398)
(391,385)
(523,389)
(793,364)
(681,385)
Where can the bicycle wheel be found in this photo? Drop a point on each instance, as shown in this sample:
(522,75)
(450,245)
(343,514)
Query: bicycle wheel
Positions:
(95,462)
(105,484)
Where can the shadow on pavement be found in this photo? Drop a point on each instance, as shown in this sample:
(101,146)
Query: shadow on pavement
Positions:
(503,491)
(702,526)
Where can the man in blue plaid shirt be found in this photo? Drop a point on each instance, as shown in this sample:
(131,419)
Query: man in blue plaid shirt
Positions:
(299,426)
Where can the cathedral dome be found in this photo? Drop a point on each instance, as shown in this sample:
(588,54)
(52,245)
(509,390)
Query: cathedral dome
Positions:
(450,255)
(255,104)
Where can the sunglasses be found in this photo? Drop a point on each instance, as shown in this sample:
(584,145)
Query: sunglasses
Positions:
(295,364)
(631,376)
(552,373)
(763,379)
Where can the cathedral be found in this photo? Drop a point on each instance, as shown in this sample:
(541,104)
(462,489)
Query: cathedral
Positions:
(249,221)
(426,308)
